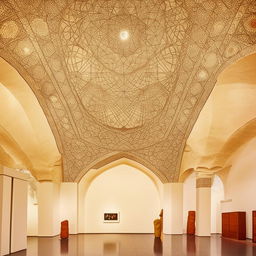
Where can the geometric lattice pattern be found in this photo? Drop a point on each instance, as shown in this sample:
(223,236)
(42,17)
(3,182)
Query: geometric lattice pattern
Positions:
(124,77)
(123,83)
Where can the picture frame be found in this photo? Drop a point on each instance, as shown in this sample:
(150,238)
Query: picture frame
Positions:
(111,217)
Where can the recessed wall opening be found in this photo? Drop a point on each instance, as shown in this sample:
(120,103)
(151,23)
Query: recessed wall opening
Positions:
(121,189)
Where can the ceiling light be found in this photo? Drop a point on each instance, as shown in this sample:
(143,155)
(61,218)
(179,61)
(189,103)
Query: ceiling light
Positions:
(124,35)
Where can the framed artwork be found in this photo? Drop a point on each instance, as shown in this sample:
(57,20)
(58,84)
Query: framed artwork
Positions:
(110,217)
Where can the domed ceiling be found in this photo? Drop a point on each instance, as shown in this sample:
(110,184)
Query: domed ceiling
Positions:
(124,77)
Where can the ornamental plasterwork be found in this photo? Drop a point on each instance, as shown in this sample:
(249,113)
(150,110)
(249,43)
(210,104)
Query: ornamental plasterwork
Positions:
(129,76)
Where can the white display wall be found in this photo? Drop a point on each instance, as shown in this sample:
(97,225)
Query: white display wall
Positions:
(122,189)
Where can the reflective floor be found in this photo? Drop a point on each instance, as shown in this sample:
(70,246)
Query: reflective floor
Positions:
(137,245)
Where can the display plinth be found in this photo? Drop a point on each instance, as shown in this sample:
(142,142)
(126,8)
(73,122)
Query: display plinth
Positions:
(234,225)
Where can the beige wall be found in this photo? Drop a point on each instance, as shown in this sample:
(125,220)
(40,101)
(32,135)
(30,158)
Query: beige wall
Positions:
(173,208)
(189,198)
(32,218)
(217,195)
(48,209)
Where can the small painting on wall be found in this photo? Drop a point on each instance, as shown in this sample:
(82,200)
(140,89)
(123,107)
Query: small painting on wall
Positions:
(111,217)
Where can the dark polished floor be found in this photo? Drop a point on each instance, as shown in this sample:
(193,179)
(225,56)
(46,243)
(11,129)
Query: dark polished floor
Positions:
(137,245)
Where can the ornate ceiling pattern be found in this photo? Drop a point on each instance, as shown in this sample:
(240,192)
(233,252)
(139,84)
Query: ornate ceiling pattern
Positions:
(128,76)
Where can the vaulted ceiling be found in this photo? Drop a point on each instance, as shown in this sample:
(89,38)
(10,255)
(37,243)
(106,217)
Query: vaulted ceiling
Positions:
(227,121)
(26,140)
(124,77)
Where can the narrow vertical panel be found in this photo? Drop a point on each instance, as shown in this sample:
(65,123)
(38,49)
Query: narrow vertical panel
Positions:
(225,224)
(242,226)
(5,209)
(19,216)
(254,226)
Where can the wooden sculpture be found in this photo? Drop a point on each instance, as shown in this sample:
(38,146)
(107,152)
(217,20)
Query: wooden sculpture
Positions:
(158,225)
(64,233)
(191,224)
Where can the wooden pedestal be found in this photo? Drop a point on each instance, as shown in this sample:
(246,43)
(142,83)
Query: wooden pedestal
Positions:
(234,225)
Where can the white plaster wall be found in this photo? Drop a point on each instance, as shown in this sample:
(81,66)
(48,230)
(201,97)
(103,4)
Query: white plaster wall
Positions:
(32,219)
(62,207)
(48,209)
(173,208)
(189,198)
(217,195)
(69,205)
(240,184)
(126,190)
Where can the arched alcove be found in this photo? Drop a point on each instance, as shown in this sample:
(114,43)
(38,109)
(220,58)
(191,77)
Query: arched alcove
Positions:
(125,187)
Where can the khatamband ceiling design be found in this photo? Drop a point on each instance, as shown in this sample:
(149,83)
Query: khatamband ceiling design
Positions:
(122,57)
(124,77)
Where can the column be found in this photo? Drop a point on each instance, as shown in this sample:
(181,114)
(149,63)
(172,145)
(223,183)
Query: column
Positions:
(173,208)
(203,201)
(13,210)
(48,208)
